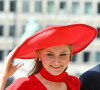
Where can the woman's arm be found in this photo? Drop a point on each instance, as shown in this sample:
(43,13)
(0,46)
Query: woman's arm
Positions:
(8,69)
(3,81)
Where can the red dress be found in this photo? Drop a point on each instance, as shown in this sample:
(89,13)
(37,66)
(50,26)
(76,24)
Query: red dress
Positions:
(32,83)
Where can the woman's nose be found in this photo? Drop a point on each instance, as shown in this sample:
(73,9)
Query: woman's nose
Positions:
(56,61)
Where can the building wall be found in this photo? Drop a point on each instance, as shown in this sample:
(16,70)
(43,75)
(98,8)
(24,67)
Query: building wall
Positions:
(14,17)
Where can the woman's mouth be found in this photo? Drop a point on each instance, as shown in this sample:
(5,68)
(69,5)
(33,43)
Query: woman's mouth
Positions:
(56,67)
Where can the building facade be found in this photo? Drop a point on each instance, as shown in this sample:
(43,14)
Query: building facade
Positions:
(14,15)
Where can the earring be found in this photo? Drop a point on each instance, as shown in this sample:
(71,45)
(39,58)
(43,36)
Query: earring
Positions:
(39,59)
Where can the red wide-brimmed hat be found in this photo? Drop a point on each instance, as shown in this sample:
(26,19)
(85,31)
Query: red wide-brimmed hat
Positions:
(78,35)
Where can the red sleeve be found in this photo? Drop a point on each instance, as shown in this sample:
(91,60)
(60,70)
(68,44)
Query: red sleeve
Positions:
(21,84)
(75,81)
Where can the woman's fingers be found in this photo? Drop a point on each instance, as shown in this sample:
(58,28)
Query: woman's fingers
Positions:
(19,65)
(8,60)
(9,57)
(7,66)
(13,69)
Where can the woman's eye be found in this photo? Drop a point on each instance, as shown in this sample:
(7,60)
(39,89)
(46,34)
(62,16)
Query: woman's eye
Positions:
(63,54)
(50,54)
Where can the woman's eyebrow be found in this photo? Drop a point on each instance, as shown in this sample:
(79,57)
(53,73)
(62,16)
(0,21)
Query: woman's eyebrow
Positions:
(60,52)
(65,51)
(50,51)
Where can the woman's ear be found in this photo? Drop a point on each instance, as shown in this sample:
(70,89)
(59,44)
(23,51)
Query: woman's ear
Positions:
(40,59)
(39,55)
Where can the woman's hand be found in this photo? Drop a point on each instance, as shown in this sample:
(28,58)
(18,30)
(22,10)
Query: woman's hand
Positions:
(8,69)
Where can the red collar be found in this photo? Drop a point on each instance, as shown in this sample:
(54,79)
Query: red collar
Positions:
(54,78)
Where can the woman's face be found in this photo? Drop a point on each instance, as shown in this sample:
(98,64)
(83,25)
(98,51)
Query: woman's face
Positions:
(55,59)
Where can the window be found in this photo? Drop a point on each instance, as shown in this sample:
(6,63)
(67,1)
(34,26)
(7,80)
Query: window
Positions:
(12,31)
(63,7)
(98,8)
(38,6)
(1,30)
(74,57)
(98,56)
(98,36)
(86,56)
(23,29)
(9,51)
(75,8)
(25,5)
(12,6)
(1,54)
(88,8)
(50,7)
(1,5)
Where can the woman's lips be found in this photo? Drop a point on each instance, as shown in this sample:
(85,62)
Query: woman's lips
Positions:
(56,67)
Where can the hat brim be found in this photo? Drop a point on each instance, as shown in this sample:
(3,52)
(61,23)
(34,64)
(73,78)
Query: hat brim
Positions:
(78,35)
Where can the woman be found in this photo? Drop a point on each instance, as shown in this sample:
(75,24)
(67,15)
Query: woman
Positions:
(52,49)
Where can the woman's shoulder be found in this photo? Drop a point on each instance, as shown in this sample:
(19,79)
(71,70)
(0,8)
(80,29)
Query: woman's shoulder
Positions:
(21,80)
(75,80)
(23,83)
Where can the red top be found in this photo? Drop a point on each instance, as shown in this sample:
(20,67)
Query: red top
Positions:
(32,83)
